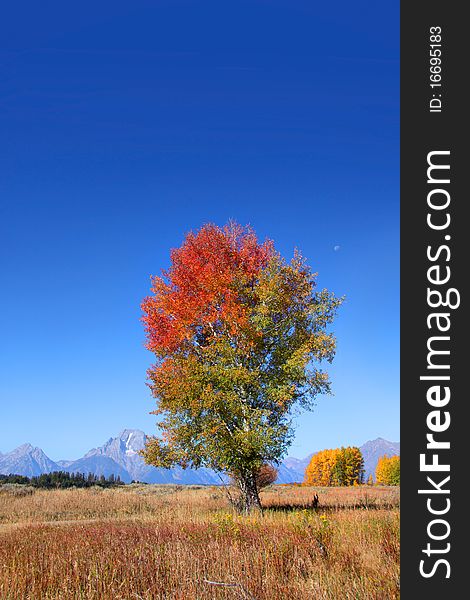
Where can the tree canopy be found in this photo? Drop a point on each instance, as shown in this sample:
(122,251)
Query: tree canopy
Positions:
(238,334)
(387,471)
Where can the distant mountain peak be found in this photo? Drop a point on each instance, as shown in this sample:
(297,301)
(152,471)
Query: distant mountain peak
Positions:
(133,439)
(26,460)
(127,433)
(373,450)
(379,440)
(24,448)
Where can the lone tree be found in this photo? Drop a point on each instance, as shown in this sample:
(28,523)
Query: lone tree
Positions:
(237,333)
(387,471)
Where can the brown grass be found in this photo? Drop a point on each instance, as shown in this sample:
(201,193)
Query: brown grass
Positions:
(165,542)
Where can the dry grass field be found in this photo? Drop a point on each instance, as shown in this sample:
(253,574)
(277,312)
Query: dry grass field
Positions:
(149,542)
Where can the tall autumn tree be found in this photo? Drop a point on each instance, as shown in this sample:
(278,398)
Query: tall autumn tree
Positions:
(387,471)
(321,467)
(349,467)
(238,334)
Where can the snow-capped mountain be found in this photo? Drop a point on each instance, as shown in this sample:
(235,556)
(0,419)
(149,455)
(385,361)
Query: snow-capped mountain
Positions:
(124,450)
(26,460)
(120,455)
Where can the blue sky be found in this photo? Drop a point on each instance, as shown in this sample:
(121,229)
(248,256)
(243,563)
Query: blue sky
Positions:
(123,126)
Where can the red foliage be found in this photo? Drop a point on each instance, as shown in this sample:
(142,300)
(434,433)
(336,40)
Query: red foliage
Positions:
(266,475)
(203,285)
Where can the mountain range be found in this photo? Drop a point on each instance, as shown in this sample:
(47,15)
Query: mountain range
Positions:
(120,456)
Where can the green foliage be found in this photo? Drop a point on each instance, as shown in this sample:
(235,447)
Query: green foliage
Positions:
(62,480)
(19,479)
(349,467)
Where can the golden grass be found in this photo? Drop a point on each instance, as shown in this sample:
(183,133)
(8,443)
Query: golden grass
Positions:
(165,542)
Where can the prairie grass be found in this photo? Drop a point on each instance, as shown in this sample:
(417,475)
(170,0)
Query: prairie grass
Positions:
(167,542)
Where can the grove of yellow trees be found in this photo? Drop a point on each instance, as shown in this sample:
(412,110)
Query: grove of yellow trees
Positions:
(387,471)
(338,466)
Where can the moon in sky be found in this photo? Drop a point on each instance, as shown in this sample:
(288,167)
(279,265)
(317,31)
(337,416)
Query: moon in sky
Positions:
(336,248)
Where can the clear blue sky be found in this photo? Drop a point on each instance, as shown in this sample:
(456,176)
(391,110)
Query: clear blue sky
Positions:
(126,124)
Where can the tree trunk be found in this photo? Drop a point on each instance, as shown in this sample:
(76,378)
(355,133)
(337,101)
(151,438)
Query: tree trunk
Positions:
(249,497)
